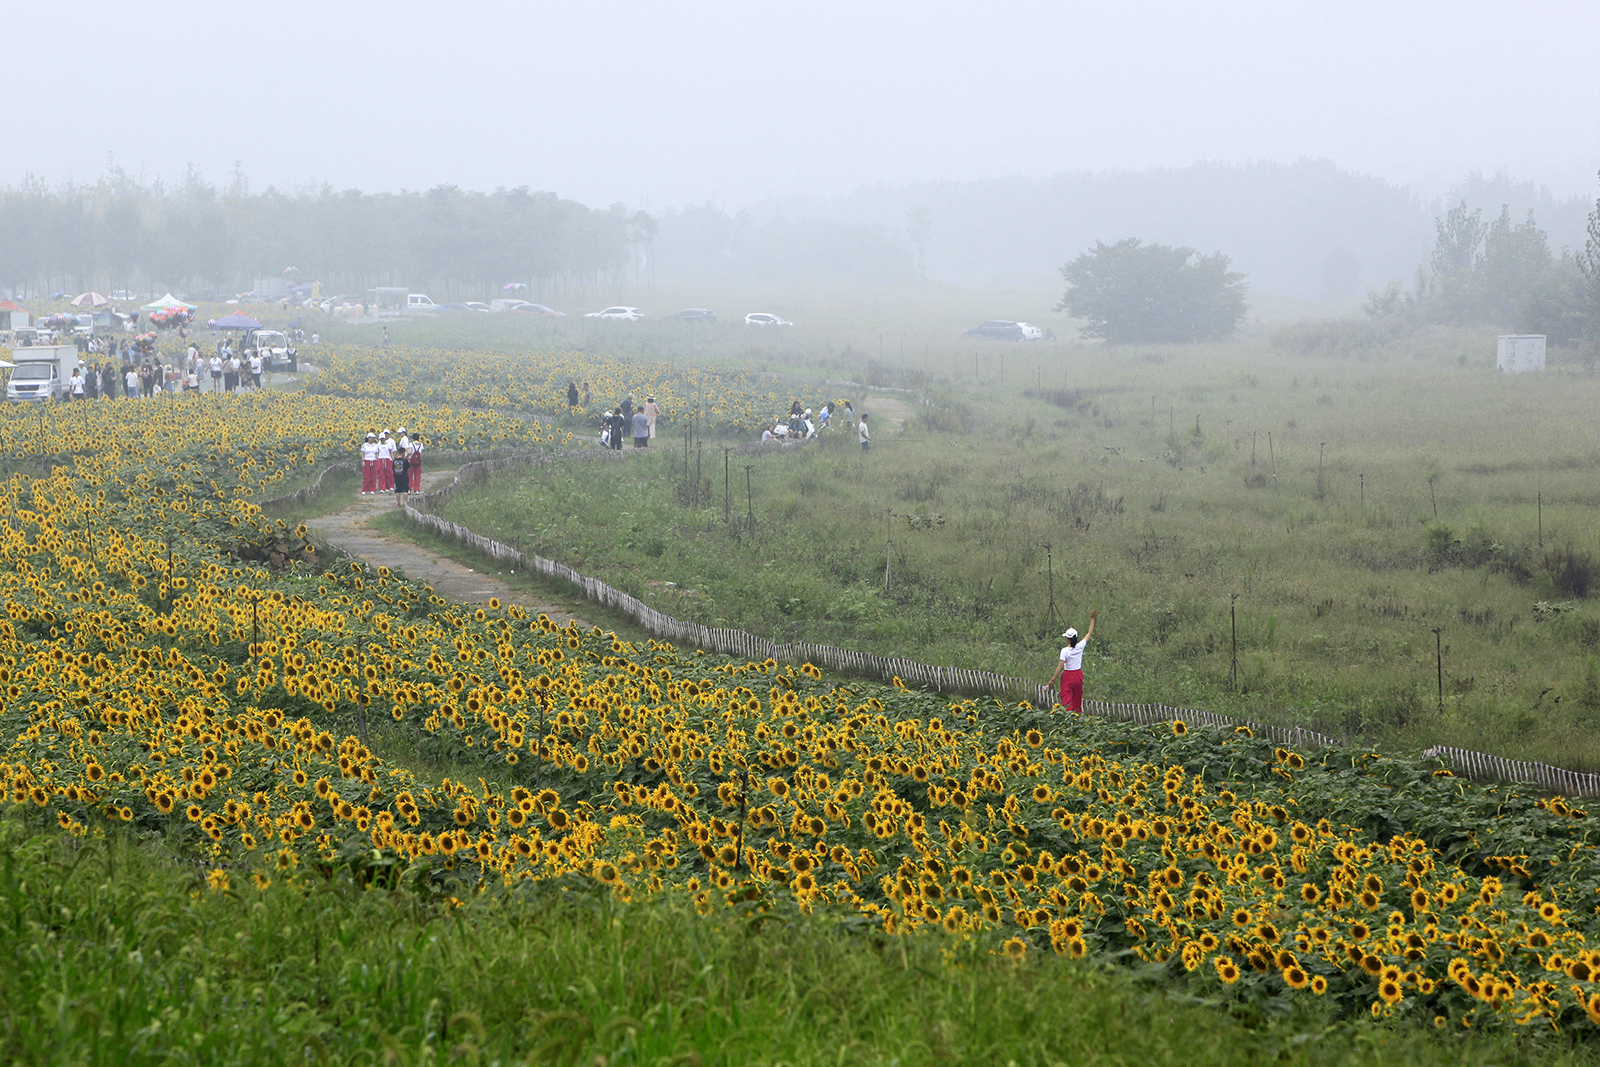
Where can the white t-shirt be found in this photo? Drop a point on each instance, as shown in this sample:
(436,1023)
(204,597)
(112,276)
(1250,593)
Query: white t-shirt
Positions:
(1072,657)
(369,450)
(861,431)
(385,448)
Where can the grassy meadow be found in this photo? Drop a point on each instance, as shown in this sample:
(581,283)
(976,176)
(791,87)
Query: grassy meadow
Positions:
(1350,505)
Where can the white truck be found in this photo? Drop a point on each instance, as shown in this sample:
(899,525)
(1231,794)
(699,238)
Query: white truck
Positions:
(421,302)
(276,349)
(41,373)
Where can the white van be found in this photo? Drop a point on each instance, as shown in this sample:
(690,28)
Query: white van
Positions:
(41,374)
(421,302)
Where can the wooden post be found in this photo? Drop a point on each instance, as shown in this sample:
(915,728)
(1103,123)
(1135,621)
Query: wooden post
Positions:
(1431,497)
(726,514)
(1541,521)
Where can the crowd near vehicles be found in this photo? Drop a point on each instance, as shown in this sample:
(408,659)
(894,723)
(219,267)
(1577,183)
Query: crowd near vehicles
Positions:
(276,350)
(41,373)
(1006,330)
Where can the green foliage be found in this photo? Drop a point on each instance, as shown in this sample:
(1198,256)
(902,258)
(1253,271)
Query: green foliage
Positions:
(1131,293)
(1500,274)
(112,954)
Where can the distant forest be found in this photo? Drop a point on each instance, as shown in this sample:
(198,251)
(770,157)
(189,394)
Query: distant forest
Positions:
(1307,230)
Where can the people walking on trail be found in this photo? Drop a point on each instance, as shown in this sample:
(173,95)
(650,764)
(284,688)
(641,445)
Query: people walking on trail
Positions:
(1069,669)
(618,427)
(863,433)
(572,394)
(627,411)
(369,464)
(641,429)
(650,412)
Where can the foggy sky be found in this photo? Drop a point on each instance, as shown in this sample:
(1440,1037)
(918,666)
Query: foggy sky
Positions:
(657,105)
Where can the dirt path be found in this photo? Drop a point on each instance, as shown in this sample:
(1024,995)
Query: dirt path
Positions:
(348,529)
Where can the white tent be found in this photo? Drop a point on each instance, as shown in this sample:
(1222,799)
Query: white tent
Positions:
(168,301)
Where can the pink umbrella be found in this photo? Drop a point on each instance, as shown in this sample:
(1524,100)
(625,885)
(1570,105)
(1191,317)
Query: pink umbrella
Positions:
(89,300)
(514,285)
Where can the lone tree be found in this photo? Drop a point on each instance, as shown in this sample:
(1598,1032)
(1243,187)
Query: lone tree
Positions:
(1136,293)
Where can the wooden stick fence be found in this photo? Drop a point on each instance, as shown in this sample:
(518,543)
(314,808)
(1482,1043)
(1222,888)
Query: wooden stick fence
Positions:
(418,509)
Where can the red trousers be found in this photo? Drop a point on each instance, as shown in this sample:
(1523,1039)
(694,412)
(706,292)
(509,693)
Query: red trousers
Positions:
(369,476)
(385,475)
(416,474)
(1072,690)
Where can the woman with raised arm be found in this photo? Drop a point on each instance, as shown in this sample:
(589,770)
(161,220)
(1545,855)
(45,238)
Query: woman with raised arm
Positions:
(1070,667)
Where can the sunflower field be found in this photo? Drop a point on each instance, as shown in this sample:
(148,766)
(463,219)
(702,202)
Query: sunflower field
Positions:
(730,400)
(163,676)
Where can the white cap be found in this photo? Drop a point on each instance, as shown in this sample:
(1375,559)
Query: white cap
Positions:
(1071,634)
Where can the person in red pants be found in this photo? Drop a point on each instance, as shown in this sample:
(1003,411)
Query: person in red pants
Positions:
(385,463)
(369,464)
(1070,667)
(416,463)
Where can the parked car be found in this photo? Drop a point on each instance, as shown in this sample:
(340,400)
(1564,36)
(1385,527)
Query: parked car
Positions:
(1006,330)
(696,315)
(456,307)
(630,314)
(761,318)
(477,305)
(525,308)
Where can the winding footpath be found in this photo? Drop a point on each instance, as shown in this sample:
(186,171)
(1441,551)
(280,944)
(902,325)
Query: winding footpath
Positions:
(349,530)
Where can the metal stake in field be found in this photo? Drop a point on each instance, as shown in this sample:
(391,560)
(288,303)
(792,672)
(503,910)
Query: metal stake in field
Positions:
(1541,521)
(1363,490)
(1272,457)
(1438,653)
(888,558)
(726,513)
(1431,497)
(1233,618)
(1052,621)
(750,508)
(1322,447)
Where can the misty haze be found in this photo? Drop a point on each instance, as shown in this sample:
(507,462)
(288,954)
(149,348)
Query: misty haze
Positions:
(832,534)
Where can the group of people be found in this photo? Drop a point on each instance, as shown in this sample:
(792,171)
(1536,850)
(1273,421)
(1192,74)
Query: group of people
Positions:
(624,419)
(391,463)
(802,426)
(145,374)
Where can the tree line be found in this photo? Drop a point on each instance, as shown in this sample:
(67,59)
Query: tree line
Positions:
(194,237)
(1503,274)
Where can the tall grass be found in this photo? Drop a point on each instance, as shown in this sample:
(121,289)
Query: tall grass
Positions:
(1351,507)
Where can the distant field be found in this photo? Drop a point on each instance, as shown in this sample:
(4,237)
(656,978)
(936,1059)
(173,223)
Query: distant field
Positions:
(1166,480)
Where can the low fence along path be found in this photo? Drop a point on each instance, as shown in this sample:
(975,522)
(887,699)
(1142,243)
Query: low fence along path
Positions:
(421,564)
(348,530)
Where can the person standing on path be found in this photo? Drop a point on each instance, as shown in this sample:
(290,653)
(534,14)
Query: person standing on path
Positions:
(369,464)
(572,394)
(864,434)
(401,466)
(641,429)
(386,337)
(627,411)
(416,463)
(588,397)
(1070,667)
(650,412)
(385,462)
